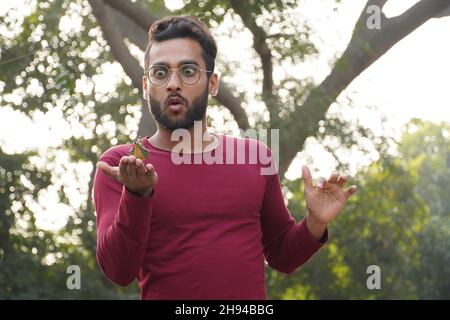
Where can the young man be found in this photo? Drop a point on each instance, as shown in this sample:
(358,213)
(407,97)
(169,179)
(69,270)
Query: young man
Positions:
(199,231)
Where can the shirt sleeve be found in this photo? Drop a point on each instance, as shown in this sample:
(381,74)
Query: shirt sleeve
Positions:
(287,245)
(123,224)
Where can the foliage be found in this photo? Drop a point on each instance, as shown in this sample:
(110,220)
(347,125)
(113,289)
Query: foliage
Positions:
(393,221)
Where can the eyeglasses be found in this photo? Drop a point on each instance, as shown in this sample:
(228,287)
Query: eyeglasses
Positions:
(158,75)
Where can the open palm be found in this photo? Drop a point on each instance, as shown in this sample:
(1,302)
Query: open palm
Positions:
(327,198)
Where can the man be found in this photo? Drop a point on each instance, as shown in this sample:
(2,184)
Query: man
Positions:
(198,231)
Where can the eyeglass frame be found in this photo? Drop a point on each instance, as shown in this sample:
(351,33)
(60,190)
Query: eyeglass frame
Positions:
(178,73)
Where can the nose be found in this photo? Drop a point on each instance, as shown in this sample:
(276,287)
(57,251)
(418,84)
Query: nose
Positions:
(173,83)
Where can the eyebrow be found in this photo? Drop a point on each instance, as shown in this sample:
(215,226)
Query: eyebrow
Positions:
(185,61)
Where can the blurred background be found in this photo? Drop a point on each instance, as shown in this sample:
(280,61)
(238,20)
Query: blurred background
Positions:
(357,86)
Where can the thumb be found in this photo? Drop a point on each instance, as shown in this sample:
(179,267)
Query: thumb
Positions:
(107,169)
(307,178)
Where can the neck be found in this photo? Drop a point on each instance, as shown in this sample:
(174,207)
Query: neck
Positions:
(198,140)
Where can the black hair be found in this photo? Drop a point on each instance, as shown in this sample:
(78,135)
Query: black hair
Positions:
(173,27)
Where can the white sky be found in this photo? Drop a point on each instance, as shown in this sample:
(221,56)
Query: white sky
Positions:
(411,80)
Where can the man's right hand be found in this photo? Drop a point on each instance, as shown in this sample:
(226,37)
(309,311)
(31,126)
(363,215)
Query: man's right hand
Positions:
(137,177)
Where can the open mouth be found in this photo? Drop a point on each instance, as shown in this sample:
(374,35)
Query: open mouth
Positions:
(175,104)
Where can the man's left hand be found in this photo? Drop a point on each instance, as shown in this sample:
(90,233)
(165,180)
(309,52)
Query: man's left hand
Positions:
(327,198)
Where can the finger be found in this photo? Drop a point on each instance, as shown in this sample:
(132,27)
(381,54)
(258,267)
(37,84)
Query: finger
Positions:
(131,168)
(334,176)
(107,169)
(154,177)
(149,170)
(151,173)
(342,180)
(140,168)
(123,164)
(321,182)
(350,191)
(307,178)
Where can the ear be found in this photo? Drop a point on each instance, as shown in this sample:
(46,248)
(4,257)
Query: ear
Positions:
(145,87)
(213,84)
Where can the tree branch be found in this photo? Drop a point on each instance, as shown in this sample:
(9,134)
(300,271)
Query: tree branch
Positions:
(130,29)
(113,35)
(232,103)
(147,124)
(444,13)
(365,47)
(259,42)
(265,54)
(114,38)
(134,11)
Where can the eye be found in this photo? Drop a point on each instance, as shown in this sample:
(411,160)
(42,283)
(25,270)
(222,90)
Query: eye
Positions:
(159,73)
(189,71)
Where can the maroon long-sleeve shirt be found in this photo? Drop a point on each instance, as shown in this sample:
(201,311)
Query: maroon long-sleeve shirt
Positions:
(206,231)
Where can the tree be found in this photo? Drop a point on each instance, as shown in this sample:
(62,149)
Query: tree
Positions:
(46,67)
(425,147)
(398,220)
(379,227)
(293,119)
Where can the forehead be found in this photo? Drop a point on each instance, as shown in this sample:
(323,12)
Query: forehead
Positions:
(175,50)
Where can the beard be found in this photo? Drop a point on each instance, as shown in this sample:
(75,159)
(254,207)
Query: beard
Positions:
(185,120)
